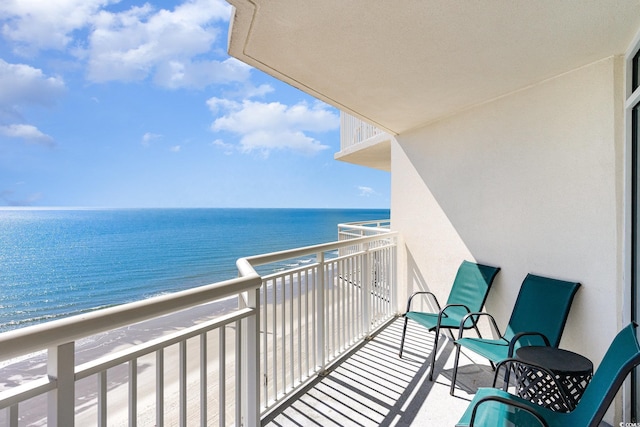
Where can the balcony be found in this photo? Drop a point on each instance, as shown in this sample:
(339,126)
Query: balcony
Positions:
(363,144)
(244,351)
(373,387)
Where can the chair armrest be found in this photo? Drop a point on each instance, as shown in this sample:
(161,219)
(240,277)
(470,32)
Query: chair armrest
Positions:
(537,367)
(500,364)
(443,313)
(474,318)
(519,335)
(422,293)
(507,402)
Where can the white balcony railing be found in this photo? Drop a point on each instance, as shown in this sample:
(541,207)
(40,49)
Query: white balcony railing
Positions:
(314,313)
(288,327)
(103,402)
(354,131)
(353,230)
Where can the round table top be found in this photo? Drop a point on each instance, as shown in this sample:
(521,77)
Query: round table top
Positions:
(557,360)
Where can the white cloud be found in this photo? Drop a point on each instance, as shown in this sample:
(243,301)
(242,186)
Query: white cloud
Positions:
(175,74)
(38,24)
(366,191)
(22,84)
(9,197)
(29,133)
(166,45)
(148,137)
(267,126)
(226,147)
(176,148)
(248,90)
(175,48)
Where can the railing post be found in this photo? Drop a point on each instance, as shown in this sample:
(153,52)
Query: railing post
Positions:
(61,401)
(250,378)
(322,327)
(366,289)
(393,276)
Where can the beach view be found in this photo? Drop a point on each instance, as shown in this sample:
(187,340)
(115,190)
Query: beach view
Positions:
(294,213)
(86,250)
(139,160)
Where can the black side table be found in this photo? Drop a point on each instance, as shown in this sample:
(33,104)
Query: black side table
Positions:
(572,374)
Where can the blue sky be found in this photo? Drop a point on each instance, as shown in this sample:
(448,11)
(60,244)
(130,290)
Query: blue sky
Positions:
(107,103)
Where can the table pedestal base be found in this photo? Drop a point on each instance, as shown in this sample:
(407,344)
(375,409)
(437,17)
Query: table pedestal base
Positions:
(539,388)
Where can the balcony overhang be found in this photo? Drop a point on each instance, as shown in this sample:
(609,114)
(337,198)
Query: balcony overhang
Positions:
(400,67)
(374,152)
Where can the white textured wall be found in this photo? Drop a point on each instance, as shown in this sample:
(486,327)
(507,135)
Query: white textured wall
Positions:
(531,182)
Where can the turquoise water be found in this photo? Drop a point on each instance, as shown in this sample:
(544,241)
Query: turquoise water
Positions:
(56,263)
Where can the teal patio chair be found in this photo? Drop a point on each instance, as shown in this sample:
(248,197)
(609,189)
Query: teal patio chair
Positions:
(468,294)
(493,407)
(538,318)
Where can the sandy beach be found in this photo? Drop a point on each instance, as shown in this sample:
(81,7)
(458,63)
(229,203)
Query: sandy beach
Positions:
(34,413)
(290,337)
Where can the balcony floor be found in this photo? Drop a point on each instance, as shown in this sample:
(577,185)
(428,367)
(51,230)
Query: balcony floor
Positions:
(374,387)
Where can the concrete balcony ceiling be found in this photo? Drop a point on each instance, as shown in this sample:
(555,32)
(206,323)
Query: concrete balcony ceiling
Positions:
(401,65)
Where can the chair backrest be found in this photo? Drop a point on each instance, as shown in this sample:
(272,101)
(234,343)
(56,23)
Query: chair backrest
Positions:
(621,357)
(542,306)
(471,287)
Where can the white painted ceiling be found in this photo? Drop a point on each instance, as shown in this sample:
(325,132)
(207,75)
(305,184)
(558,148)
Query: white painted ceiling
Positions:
(402,64)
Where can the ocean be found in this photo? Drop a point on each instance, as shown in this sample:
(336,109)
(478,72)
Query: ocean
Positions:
(61,262)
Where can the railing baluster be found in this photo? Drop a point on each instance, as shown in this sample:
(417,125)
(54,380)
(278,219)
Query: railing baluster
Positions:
(366,290)
(160,388)
(307,318)
(340,307)
(222,376)
(13,415)
(265,347)
(291,334)
(358,261)
(353,303)
(133,393)
(102,398)
(203,379)
(284,336)
(274,340)
(299,298)
(314,310)
(182,380)
(239,356)
(320,310)
(238,374)
(331,330)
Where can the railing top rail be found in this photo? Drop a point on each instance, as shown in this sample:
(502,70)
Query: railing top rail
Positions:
(366,221)
(245,265)
(371,221)
(38,337)
(343,227)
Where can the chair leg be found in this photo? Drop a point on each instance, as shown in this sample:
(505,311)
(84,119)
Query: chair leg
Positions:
(507,377)
(455,368)
(404,332)
(433,354)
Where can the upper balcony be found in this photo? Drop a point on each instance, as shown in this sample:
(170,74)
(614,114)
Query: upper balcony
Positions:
(363,144)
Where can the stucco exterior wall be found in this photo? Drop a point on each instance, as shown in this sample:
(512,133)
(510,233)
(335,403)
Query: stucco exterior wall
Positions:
(530,182)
